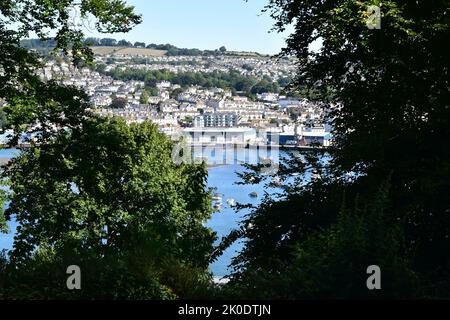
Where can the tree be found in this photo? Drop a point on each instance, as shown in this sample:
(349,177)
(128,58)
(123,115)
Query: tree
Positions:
(139,44)
(108,42)
(390,115)
(92,41)
(176,92)
(265,86)
(124,43)
(147,242)
(223,49)
(273,121)
(332,263)
(152,91)
(118,103)
(100,68)
(2,118)
(131,211)
(144,97)
(227,80)
(247,67)
(188,121)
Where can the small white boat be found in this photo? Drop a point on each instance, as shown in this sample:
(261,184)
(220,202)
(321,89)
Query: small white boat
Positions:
(217,197)
(231,202)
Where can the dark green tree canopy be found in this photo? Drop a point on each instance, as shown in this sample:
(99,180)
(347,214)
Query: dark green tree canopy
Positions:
(390,114)
(139,44)
(118,103)
(101,185)
(88,190)
(124,43)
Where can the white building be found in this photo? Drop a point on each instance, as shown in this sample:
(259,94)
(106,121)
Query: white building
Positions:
(217,119)
(314,135)
(241,135)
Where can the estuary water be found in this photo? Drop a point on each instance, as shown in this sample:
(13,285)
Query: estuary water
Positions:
(227,219)
(222,177)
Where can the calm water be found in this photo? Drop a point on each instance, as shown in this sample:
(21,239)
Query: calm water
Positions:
(224,178)
(221,177)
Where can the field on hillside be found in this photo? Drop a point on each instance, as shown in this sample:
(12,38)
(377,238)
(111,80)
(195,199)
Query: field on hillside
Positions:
(127,51)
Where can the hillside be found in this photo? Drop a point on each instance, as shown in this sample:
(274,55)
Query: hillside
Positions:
(108,46)
(127,51)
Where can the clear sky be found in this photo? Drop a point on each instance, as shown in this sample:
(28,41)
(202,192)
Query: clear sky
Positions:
(204,24)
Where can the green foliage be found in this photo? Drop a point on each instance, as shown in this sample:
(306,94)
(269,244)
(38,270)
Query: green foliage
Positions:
(123,42)
(390,124)
(187,121)
(331,262)
(176,92)
(2,118)
(91,191)
(152,91)
(143,99)
(3,199)
(44,276)
(139,44)
(247,67)
(118,103)
(225,80)
(112,15)
(100,68)
(108,193)
(265,85)
(174,51)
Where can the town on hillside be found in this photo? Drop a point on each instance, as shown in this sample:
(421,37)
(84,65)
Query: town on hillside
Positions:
(211,97)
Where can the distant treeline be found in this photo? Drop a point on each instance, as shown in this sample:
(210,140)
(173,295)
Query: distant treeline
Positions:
(42,46)
(47,45)
(231,80)
(171,49)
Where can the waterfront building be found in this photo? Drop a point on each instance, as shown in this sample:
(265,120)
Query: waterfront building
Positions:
(316,134)
(217,119)
(242,135)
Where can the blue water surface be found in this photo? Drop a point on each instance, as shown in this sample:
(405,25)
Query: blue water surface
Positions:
(223,178)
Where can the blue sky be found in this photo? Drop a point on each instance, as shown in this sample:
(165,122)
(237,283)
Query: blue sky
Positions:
(205,24)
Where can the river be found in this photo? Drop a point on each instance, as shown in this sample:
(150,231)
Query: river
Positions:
(221,176)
